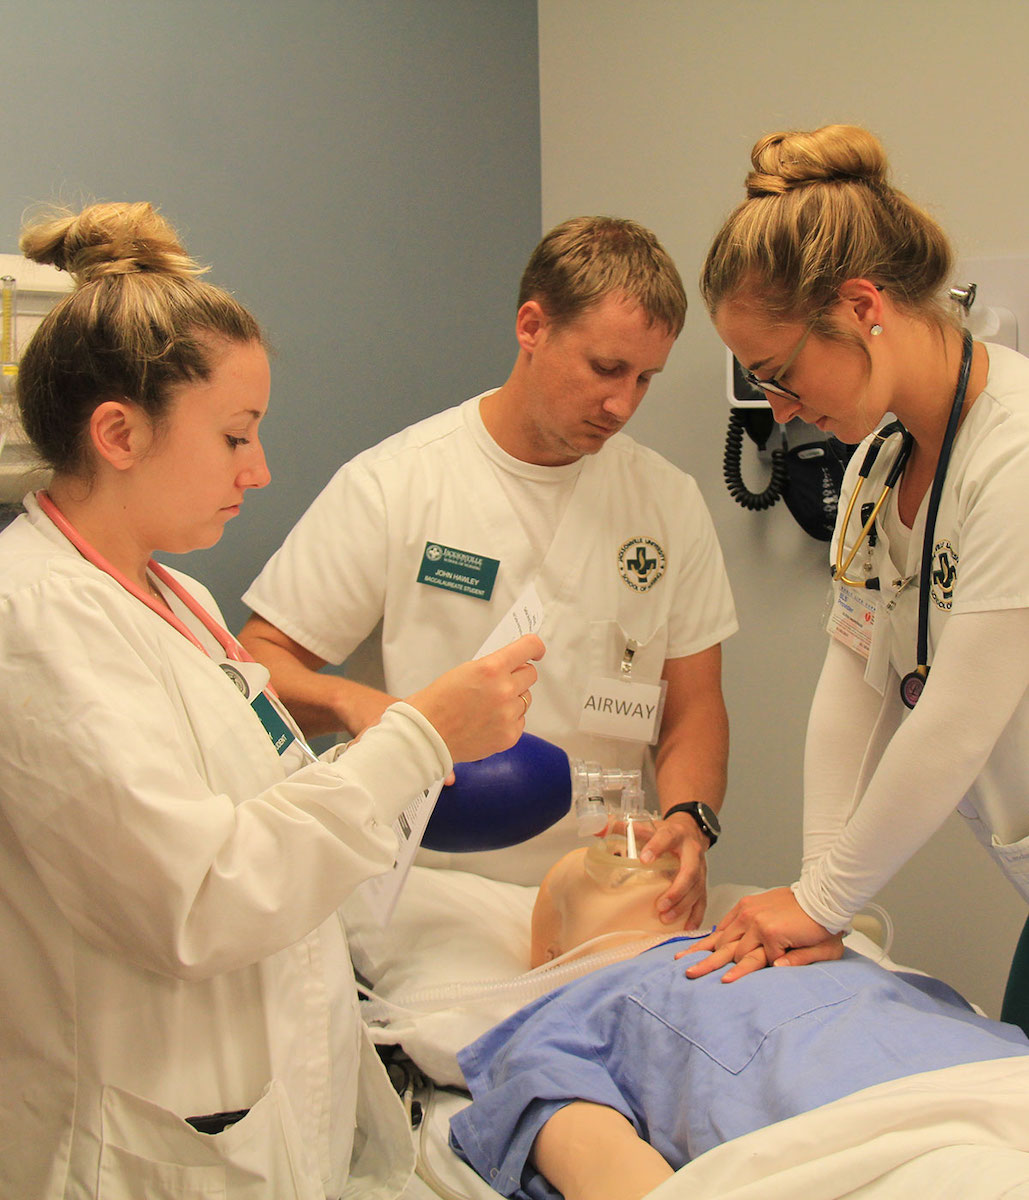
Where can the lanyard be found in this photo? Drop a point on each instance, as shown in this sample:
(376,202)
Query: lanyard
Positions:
(912,684)
(230,647)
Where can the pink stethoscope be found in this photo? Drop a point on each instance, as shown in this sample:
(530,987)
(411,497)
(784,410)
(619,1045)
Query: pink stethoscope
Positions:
(232,649)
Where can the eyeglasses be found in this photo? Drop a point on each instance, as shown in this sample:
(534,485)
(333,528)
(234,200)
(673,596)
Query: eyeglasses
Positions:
(773,385)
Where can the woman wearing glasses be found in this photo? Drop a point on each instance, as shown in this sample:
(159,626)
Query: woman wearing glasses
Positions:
(825,283)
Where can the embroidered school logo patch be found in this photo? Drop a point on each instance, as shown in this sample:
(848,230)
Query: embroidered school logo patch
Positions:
(944,574)
(641,563)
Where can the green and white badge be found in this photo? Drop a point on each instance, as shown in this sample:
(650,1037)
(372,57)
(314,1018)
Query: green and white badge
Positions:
(251,679)
(458,571)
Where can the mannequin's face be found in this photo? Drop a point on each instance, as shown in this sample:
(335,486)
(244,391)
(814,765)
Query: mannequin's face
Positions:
(580,899)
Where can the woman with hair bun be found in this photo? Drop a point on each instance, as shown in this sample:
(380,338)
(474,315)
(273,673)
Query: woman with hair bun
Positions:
(827,284)
(179,1010)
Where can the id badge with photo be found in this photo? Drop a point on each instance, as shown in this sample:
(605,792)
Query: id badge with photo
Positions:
(852,619)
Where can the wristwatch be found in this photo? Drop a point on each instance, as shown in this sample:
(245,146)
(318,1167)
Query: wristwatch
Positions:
(704,815)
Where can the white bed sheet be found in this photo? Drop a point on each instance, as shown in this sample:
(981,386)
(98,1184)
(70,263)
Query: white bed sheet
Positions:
(957,1134)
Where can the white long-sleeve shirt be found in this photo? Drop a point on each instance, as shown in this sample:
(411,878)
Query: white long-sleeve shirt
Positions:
(879,780)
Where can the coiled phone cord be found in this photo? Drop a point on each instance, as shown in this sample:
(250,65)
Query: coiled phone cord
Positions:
(731,469)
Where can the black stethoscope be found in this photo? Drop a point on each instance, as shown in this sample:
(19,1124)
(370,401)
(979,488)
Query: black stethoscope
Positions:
(914,681)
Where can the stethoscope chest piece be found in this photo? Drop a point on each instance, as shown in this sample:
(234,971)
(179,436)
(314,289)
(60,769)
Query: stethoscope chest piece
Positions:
(237,677)
(911,687)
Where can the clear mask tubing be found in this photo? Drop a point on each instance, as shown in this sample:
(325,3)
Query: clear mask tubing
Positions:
(522,988)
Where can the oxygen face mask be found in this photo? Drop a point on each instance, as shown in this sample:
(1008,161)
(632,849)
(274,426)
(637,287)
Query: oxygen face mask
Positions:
(609,864)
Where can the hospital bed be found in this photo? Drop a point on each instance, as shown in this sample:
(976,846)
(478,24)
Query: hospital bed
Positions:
(451,964)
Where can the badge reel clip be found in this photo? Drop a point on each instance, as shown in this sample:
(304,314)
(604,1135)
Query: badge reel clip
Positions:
(618,706)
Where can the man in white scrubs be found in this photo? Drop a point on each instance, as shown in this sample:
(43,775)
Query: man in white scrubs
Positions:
(438,530)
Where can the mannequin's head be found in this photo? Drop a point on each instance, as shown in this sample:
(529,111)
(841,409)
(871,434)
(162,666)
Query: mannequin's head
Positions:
(598,890)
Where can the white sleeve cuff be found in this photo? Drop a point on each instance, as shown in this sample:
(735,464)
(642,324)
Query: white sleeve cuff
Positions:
(395,759)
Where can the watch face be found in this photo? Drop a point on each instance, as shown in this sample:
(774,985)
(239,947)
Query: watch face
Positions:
(710,817)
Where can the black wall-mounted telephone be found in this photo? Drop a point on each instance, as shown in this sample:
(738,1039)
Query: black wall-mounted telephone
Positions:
(806,464)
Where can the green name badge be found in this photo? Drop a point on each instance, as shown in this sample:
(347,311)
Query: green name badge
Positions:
(280,733)
(458,571)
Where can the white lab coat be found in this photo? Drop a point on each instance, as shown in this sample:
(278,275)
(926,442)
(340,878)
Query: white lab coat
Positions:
(168,911)
(354,558)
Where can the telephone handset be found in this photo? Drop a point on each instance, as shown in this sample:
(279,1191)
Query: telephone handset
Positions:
(806,465)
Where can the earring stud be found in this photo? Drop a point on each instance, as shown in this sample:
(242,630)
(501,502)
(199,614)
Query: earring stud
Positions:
(876,330)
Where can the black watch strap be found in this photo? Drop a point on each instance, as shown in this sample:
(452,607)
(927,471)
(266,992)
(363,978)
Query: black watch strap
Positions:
(704,815)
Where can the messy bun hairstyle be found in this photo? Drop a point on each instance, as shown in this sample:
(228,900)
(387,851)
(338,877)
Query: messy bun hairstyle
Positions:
(139,323)
(819,211)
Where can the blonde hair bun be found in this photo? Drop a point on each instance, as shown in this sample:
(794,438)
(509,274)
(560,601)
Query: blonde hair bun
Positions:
(138,325)
(784,161)
(107,239)
(820,210)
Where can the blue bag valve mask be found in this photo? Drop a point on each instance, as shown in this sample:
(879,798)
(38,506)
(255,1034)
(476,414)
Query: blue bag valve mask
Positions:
(516,794)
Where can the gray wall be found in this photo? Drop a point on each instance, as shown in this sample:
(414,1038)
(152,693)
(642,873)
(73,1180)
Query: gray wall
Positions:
(363,175)
(653,116)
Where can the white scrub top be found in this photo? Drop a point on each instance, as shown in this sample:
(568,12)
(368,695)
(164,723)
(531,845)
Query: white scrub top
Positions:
(168,920)
(633,555)
(980,564)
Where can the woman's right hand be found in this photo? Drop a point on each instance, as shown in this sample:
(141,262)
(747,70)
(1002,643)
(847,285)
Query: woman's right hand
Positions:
(766,929)
(479,707)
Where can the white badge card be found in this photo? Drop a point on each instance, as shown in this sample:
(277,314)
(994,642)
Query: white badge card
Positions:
(619,708)
(852,619)
(380,893)
(524,616)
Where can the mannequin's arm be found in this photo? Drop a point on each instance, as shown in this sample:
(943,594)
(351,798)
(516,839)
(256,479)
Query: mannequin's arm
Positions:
(590,1152)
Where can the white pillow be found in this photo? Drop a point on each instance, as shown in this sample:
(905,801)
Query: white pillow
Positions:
(449,927)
